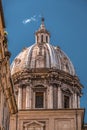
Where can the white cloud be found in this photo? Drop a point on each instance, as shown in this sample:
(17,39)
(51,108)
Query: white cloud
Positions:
(28,20)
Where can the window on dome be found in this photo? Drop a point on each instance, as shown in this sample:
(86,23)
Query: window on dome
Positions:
(47,39)
(39,100)
(41,38)
(66,101)
(67,68)
(37,38)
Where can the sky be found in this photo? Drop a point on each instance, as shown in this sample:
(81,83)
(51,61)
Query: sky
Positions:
(66,20)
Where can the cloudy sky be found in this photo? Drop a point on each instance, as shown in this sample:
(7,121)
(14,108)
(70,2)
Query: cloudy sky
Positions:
(65,19)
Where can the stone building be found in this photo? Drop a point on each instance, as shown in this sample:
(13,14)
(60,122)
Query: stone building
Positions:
(7,99)
(47,88)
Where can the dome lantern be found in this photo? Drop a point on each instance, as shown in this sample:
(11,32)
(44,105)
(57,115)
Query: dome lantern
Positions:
(42,35)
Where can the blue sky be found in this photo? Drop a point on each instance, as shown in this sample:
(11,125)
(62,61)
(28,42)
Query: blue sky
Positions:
(65,19)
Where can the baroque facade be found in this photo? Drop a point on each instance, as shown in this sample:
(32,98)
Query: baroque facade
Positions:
(7,99)
(47,89)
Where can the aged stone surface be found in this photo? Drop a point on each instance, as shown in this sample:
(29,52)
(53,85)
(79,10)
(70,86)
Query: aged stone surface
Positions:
(65,85)
(46,86)
(59,119)
(47,89)
(7,98)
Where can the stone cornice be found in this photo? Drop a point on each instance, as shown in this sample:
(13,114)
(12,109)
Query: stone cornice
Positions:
(53,76)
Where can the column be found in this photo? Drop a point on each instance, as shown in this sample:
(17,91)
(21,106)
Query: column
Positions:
(59,97)
(30,97)
(50,97)
(78,101)
(75,100)
(70,102)
(20,98)
(27,97)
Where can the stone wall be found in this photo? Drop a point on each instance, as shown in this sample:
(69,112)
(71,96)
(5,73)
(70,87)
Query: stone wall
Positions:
(70,119)
(7,98)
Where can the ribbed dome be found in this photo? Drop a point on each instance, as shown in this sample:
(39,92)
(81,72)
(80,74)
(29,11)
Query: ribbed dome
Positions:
(42,55)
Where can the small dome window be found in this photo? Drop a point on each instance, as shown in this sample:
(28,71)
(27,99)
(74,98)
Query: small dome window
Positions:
(17,61)
(41,38)
(37,38)
(47,39)
(67,68)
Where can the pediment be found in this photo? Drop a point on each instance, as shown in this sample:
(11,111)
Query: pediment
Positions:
(67,88)
(34,123)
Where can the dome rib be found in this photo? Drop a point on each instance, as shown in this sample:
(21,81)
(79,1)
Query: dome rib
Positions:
(42,56)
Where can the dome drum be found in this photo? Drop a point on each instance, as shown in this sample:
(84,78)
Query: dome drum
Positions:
(52,87)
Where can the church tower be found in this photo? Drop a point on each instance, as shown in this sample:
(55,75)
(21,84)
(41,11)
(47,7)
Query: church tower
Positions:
(7,98)
(47,88)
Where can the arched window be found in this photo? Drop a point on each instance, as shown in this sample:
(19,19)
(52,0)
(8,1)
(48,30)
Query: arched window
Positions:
(67,96)
(66,101)
(39,100)
(39,96)
(41,38)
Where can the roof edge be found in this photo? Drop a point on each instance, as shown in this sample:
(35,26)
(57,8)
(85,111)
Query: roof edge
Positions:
(2,14)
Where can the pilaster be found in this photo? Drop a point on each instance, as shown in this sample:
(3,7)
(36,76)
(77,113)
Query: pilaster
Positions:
(20,98)
(59,97)
(50,97)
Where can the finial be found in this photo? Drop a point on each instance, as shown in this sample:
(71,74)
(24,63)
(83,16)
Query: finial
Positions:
(42,19)
(42,23)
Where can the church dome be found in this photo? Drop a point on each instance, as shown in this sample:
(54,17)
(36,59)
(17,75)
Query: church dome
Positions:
(44,76)
(42,55)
